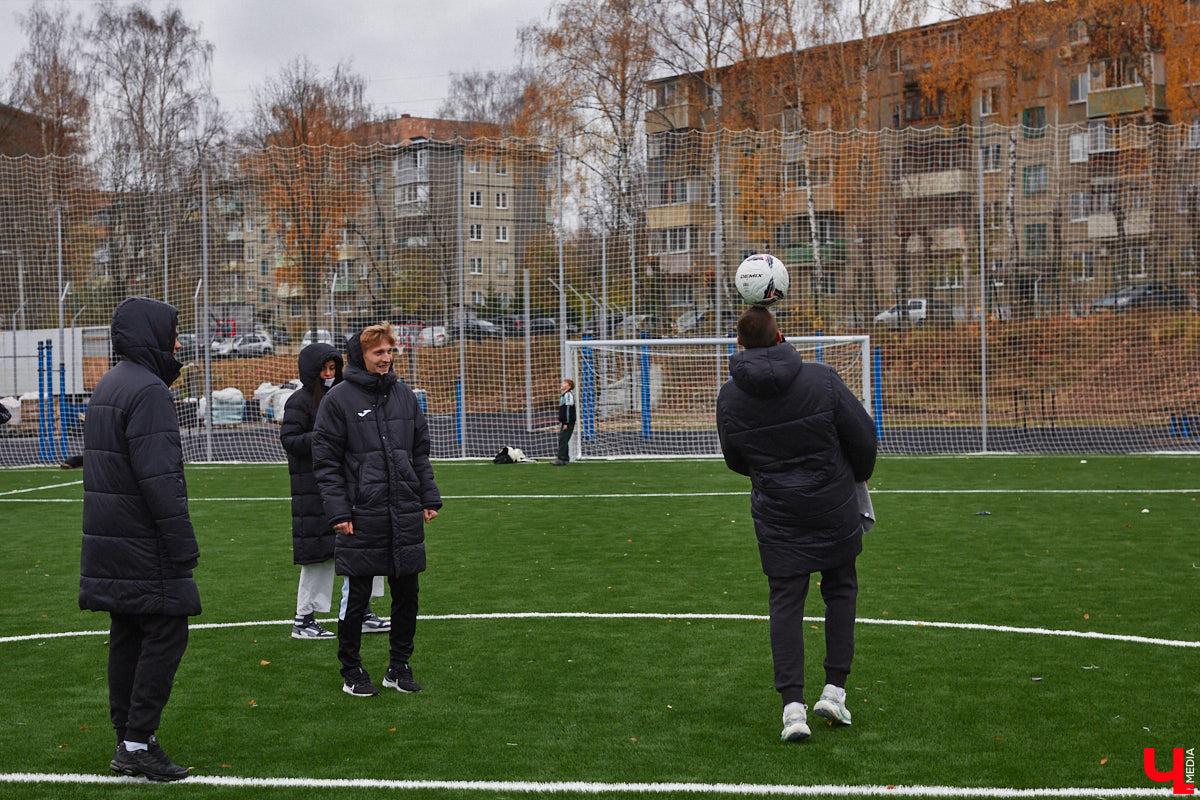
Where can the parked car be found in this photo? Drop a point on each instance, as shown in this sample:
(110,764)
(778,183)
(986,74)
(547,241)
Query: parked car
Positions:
(279,335)
(1141,296)
(637,325)
(921,312)
(188,351)
(613,323)
(323,336)
(475,329)
(245,345)
(433,336)
(510,325)
(699,323)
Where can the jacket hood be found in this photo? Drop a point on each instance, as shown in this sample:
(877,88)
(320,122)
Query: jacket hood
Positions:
(143,331)
(312,359)
(765,371)
(354,355)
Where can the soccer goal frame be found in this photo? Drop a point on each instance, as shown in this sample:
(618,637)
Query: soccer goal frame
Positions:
(640,398)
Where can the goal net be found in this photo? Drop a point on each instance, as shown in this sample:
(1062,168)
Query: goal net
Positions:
(657,397)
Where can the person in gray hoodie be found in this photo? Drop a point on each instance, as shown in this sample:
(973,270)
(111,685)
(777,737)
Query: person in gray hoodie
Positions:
(139,548)
(805,441)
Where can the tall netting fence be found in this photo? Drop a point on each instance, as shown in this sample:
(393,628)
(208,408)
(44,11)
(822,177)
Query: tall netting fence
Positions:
(1024,289)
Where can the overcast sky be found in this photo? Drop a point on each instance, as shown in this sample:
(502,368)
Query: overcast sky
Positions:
(405,48)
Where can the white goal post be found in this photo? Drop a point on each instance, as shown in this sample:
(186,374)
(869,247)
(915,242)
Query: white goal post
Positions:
(657,397)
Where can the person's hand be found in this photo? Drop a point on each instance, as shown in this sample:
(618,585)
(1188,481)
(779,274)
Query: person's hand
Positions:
(429,513)
(344,527)
(564,427)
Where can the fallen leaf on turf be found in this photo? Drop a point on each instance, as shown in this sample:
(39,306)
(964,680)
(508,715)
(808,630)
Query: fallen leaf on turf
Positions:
(998,739)
(1104,761)
(62,747)
(263,663)
(84,728)
(1087,616)
(253,702)
(633,738)
(393,730)
(224,766)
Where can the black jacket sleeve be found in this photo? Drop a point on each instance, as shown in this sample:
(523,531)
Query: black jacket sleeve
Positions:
(733,457)
(295,433)
(329,454)
(856,430)
(430,496)
(156,460)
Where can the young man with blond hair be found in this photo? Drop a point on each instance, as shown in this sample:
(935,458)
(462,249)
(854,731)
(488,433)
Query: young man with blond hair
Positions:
(371,459)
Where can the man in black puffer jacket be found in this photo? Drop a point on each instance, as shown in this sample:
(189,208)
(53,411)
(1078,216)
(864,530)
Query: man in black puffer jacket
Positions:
(805,441)
(371,459)
(138,545)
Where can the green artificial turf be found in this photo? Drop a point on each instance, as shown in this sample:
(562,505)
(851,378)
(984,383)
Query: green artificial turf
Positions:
(664,699)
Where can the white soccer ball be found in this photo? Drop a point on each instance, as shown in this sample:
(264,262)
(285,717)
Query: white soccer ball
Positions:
(762,279)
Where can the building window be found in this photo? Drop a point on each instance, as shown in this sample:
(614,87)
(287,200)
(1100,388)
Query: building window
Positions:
(501,167)
(897,116)
(1085,266)
(475,232)
(897,169)
(794,175)
(411,193)
(987,101)
(1034,179)
(1079,88)
(1098,134)
(477,298)
(714,243)
(991,158)
(501,266)
(505,299)
(501,233)
(422,158)
(898,59)
(262,236)
(475,199)
(1077,148)
(1078,205)
(475,265)
(474,165)
(262,267)
(264,296)
(1033,122)
(680,295)
(1193,135)
(1078,32)
(501,199)
(665,193)
(1035,239)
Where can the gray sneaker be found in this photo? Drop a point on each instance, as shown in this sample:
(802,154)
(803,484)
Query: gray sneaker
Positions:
(832,705)
(372,623)
(795,723)
(306,627)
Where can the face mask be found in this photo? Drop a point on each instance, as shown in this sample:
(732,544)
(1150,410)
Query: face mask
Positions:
(328,382)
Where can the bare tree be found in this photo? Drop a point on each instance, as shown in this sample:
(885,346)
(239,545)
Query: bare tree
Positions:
(305,174)
(156,114)
(49,78)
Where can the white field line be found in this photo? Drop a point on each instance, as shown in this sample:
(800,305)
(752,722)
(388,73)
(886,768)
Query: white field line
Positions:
(588,787)
(619,495)
(39,488)
(908,623)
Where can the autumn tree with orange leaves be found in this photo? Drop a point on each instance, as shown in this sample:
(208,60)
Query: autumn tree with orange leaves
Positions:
(305,174)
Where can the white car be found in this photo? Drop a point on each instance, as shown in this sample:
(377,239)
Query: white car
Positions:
(323,336)
(433,336)
(920,311)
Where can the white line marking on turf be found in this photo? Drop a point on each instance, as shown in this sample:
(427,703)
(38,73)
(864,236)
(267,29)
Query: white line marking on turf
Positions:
(621,495)
(911,623)
(591,787)
(39,488)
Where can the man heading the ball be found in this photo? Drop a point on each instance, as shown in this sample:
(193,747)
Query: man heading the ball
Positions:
(805,441)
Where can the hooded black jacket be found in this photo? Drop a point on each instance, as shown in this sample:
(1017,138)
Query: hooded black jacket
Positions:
(312,538)
(805,440)
(138,545)
(371,459)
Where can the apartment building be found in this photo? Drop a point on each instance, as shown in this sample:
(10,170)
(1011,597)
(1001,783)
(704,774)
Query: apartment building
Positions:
(1046,178)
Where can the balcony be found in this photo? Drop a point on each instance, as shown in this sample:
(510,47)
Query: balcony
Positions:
(933,184)
(677,215)
(1124,100)
(834,250)
(672,118)
(1104,226)
(676,263)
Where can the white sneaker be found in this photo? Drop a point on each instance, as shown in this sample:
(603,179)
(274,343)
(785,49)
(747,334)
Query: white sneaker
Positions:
(832,705)
(795,723)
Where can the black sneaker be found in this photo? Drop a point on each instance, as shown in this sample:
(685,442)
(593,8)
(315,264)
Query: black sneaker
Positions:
(359,684)
(153,763)
(401,679)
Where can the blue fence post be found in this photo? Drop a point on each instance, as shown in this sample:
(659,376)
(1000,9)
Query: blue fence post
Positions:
(820,354)
(42,456)
(587,381)
(62,408)
(1183,429)
(1173,430)
(646,393)
(730,353)
(877,399)
(458,412)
